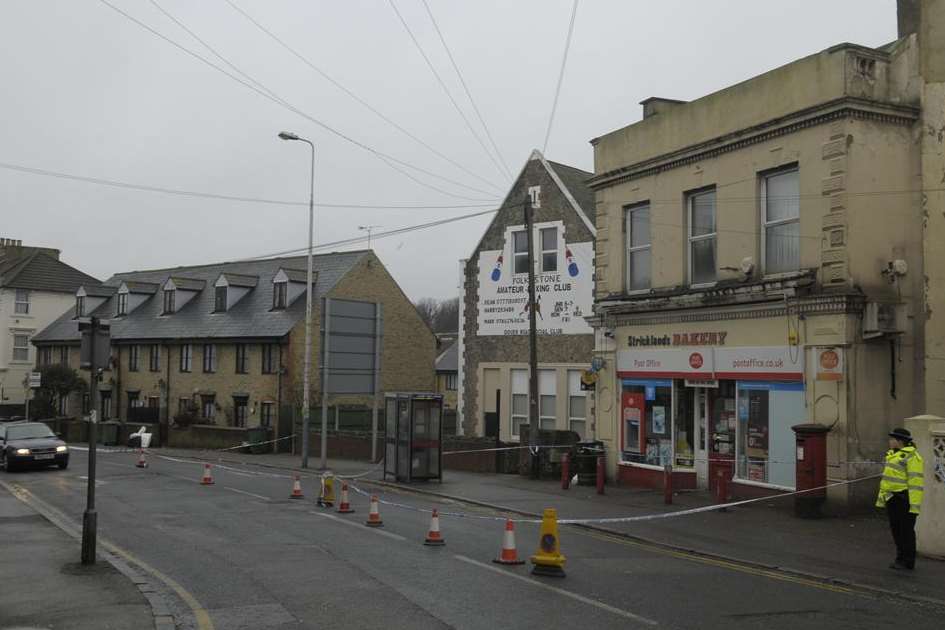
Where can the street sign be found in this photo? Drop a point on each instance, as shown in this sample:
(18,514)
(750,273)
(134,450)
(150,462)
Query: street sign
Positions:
(36,380)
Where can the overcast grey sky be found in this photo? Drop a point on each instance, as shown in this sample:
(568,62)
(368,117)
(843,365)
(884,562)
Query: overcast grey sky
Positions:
(86,91)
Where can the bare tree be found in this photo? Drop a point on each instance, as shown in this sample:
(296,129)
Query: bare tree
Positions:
(428,307)
(447,316)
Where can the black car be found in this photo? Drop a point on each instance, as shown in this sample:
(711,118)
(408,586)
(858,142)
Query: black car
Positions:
(31,444)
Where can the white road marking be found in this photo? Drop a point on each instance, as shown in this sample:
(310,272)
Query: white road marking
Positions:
(584,600)
(362,526)
(249,494)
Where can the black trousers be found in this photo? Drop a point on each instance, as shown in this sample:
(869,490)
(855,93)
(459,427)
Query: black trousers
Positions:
(902,524)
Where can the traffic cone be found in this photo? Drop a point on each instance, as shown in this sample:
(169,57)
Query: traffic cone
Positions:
(142,461)
(548,561)
(374,516)
(297,489)
(207,479)
(509,554)
(433,536)
(344,507)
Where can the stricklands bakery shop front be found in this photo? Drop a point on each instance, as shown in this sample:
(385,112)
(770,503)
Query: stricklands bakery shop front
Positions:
(705,405)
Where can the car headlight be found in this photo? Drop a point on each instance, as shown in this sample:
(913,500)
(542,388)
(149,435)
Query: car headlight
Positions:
(22,451)
(62,449)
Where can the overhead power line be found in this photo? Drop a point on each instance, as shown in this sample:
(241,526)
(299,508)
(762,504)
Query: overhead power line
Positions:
(285,104)
(208,195)
(564,62)
(466,89)
(354,96)
(449,95)
(388,233)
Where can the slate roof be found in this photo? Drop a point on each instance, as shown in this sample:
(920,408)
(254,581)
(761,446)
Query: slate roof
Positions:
(99,290)
(149,288)
(297,275)
(38,271)
(240,280)
(575,180)
(251,317)
(448,361)
(189,284)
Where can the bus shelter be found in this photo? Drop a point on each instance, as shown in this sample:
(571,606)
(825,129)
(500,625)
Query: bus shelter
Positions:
(413,439)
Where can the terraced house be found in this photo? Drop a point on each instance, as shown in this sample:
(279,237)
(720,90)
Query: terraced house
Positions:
(222,345)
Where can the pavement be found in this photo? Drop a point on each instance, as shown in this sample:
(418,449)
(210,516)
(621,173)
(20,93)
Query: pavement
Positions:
(43,584)
(239,554)
(855,549)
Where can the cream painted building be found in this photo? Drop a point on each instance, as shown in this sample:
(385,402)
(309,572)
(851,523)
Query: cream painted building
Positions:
(35,288)
(766,258)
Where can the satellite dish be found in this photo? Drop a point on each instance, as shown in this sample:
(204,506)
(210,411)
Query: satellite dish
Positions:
(748,265)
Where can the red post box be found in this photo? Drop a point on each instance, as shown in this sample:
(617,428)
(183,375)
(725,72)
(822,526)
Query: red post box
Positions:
(811,469)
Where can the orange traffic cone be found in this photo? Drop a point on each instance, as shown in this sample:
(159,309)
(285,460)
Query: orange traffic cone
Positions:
(374,516)
(297,489)
(344,507)
(142,462)
(207,479)
(434,537)
(509,554)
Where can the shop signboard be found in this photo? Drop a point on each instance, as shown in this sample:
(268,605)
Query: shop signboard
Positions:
(828,363)
(680,362)
(563,293)
(780,363)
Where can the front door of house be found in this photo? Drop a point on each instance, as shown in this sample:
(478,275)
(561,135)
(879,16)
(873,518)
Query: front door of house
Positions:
(701,412)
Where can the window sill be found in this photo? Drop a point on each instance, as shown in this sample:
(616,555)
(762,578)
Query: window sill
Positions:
(704,285)
(761,484)
(638,292)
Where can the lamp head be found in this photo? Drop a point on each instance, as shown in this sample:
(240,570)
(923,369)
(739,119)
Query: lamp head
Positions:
(288,135)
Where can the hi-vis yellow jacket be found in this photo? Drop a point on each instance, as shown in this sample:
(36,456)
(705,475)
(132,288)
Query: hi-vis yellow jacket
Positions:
(903,472)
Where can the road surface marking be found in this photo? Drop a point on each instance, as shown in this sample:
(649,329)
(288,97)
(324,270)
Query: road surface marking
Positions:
(249,494)
(361,526)
(73,529)
(724,564)
(584,600)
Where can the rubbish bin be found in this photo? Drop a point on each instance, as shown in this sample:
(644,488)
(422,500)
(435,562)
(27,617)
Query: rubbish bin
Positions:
(108,433)
(585,461)
(254,435)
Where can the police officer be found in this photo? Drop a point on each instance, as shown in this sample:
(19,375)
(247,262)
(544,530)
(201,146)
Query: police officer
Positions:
(900,492)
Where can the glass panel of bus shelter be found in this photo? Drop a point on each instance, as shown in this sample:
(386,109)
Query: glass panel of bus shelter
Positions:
(390,436)
(403,439)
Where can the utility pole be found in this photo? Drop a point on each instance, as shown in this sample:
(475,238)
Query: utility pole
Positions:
(90,517)
(369,229)
(532,345)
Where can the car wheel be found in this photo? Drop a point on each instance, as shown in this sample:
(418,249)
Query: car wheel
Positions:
(7,465)
(63,465)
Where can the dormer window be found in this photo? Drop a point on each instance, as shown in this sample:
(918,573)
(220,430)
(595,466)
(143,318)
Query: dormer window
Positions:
(279,292)
(219,300)
(122,304)
(169,295)
(80,306)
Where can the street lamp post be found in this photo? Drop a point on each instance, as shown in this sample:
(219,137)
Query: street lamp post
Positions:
(306,384)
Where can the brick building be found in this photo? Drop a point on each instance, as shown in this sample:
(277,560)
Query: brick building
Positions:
(224,343)
(494,338)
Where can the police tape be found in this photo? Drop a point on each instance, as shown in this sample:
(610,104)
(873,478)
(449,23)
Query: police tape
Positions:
(619,519)
(507,448)
(250,444)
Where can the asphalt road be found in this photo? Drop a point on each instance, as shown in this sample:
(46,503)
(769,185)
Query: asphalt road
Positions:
(243,553)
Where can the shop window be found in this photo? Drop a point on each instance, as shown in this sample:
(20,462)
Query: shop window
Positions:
(781,212)
(637,229)
(647,412)
(519,400)
(766,412)
(577,404)
(722,421)
(702,234)
(549,249)
(520,251)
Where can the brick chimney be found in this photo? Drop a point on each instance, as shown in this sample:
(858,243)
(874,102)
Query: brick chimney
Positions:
(13,247)
(908,13)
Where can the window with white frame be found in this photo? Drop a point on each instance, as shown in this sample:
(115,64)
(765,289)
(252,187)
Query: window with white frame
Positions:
(702,237)
(451,381)
(133,355)
(267,413)
(169,301)
(80,306)
(21,305)
(549,249)
(154,357)
(279,291)
(577,404)
(637,229)
(519,400)
(63,408)
(520,251)
(186,356)
(534,195)
(21,347)
(547,399)
(122,304)
(209,358)
(781,221)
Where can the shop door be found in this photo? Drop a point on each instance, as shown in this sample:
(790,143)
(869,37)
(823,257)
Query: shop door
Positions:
(701,423)
(721,433)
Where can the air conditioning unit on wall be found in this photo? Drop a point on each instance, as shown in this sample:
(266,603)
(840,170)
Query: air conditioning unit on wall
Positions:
(883,319)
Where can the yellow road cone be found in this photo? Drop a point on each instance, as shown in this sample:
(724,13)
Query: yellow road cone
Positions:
(549,561)
(327,497)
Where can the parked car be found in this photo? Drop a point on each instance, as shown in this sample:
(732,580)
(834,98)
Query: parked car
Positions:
(25,444)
